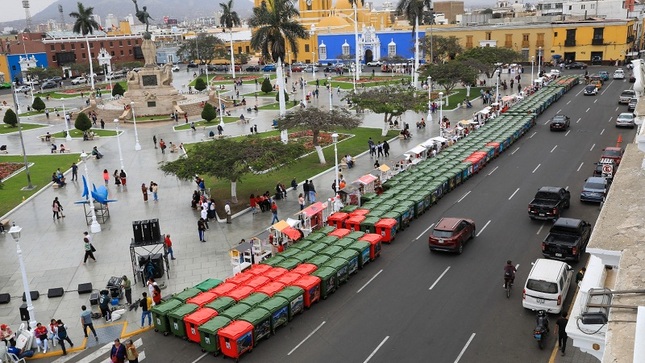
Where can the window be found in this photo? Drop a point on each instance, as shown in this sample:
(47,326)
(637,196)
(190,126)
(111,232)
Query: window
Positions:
(239,50)
(83,55)
(122,52)
(130,51)
(307,48)
(525,37)
(469,41)
(345,48)
(488,35)
(555,34)
(62,47)
(120,43)
(102,46)
(391,49)
(54,58)
(508,43)
(248,49)
(540,40)
(111,44)
(129,42)
(112,53)
(570,7)
(91,45)
(52,47)
(322,51)
(74,46)
(582,7)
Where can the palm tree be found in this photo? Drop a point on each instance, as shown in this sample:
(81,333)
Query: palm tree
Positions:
(275,28)
(413,10)
(85,24)
(358,67)
(228,20)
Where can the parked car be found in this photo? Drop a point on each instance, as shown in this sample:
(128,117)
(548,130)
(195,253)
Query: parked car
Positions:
(192,65)
(297,68)
(269,68)
(626,95)
(619,74)
(613,152)
(631,106)
(559,123)
(374,64)
(567,239)
(23,88)
(450,234)
(594,190)
(253,69)
(56,78)
(575,65)
(49,85)
(549,202)
(547,286)
(310,69)
(604,75)
(175,68)
(79,80)
(554,72)
(116,75)
(590,90)
(626,119)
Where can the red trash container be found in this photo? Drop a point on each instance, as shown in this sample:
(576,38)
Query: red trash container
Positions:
(305,268)
(202,299)
(275,272)
(386,227)
(258,269)
(240,292)
(240,278)
(195,320)
(223,288)
(288,278)
(375,242)
(353,223)
(340,232)
(257,282)
(311,285)
(236,338)
(271,288)
(359,212)
(337,219)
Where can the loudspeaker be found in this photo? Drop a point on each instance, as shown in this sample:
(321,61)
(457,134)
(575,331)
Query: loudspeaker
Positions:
(157,263)
(154,229)
(94,298)
(138,232)
(55,292)
(5,298)
(85,288)
(147,232)
(34,295)
(24,313)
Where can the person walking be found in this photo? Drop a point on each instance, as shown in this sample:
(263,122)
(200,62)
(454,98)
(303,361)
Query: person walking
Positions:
(305,190)
(144,191)
(201,230)
(86,321)
(145,304)
(227,209)
(62,336)
(370,145)
(106,177)
(154,140)
(126,285)
(168,243)
(117,178)
(562,333)
(102,124)
(312,192)
(89,250)
(301,201)
(117,353)
(204,214)
(386,148)
(74,172)
(122,176)
(57,209)
(162,146)
(154,188)
(294,185)
(274,212)
(379,149)
(131,352)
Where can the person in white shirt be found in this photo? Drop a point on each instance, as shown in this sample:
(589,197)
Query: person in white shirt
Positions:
(227,209)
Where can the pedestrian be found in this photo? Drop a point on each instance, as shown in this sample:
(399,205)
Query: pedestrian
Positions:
(117,353)
(379,149)
(305,190)
(122,175)
(145,304)
(386,148)
(89,250)
(168,243)
(186,116)
(117,178)
(57,209)
(227,209)
(301,201)
(131,352)
(255,128)
(102,124)
(192,126)
(106,177)
(154,188)
(370,145)
(580,275)
(204,214)
(74,171)
(126,285)
(562,332)
(154,140)
(220,129)
(212,213)
(61,331)
(294,185)
(104,301)
(87,235)
(144,191)
(274,212)
(312,192)
(162,146)
(86,321)
(201,230)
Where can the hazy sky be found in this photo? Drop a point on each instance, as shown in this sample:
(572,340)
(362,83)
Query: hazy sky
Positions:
(13,8)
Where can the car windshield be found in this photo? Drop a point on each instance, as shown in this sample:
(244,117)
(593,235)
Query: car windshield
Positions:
(598,186)
(542,286)
(442,234)
(625,116)
(590,88)
(559,118)
(611,153)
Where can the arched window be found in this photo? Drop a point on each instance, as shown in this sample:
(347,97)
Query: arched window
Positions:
(391,49)
(346,48)
(322,51)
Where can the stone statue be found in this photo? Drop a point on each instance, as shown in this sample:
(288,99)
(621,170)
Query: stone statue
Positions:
(132,79)
(166,74)
(142,15)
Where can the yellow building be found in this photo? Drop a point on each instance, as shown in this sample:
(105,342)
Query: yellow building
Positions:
(4,69)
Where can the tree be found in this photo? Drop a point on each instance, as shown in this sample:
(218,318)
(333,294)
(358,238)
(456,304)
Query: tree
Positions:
(85,24)
(10,118)
(266,86)
(231,160)
(317,120)
(117,90)
(228,20)
(413,10)
(38,104)
(208,112)
(286,97)
(82,123)
(487,59)
(449,75)
(354,4)
(390,101)
(444,48)
(203,48)
(43,73)
(200,84)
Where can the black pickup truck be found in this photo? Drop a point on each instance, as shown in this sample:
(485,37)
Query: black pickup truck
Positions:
(567,239)
(549,202)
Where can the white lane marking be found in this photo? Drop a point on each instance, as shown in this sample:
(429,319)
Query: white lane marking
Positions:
(307,337)
(483,228)
(602,132)
(568,131)
(439,278)
(534,170)
(611,118)
(592,146)
(195,361)
(546,122)
(424,232)
(514,151)
(465,347)
(579,120)
(554,148)
(97,354)
(540,229)
(560,110)
(568,102)
(533,134)
(579,92)
(370,280)
(566,188)
(517,266)
(617,108)
(588,108)
(492,171)
(596,100)
(465,195)
(376,350)
(512,195)
(580,167)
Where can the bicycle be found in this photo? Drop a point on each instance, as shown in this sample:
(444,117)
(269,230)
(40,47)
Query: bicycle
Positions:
(507,287)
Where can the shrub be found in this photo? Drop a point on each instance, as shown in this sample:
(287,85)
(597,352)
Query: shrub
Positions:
(117,90)
(286,97)
(10,118)
(200,84)
(83,123)
(208,112)
(38,104)
(266,86)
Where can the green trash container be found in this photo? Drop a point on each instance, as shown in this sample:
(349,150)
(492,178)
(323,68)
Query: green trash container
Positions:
(304,244)
(273,261)
(160,315)
(221,303)
(368,223)
(278,307)
(350,208)
(326,229)
(296,298)
(317,247)
(356,235)
(208,339)
(235,311)
(319,260)
(344,242)
(187,294)
(176,319)
(331,251)
(304,256)
(329,281)
(316,236)
(289,263)
(208,284)
(352,258)
(329,240)
(289,252)
(342,268)
(260,318)
(363,249)
(255,299)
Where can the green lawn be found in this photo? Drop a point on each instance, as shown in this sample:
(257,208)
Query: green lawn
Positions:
(57,95)
(458,95)
(203,123)
(41,173)
(77,134)
(31,113)
(153,118)
(261,94)
(276,106)
(5,129)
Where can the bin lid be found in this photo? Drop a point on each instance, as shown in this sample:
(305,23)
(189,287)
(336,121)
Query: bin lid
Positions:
(361,245)
(386,223)
(274,303)
(272,261)
(288,278)
(214,325)
(304,244)
(200,316)
(316,236)
(167,306)
(331,251)
(325,272)
(305,268)
(344,242)
(183,310)
(256,316)
(307,282)
(235,329)
(275,272)
(223,288)
(340,232)
(303,256)
(221,303)
(329,240)
(289,252)
(202,299)
(317,247)
(240,278)
(235,311)
(338,216)
(240,292)
(257,281)
(356,235)
(258,269)
(319,260)
(255,299)
(208,284)
(326,229)
(289,263)
(186,294)
(348,254)
(348,208)
(271,288)
(370,221)
(291,292)
(356,219)
(337,262)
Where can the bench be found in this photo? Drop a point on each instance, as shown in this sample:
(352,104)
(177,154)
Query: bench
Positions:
(43,138)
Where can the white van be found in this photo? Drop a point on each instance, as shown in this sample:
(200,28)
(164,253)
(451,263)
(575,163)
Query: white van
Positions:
(547,286)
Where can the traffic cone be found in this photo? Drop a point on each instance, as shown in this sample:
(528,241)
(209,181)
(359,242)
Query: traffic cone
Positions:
(620,139)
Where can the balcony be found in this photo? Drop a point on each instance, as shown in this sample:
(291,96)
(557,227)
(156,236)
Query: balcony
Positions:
(526,44)
(597,41)
(570,43)
(539,43)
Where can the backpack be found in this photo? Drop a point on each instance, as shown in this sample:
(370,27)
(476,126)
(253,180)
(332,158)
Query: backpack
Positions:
(62,332)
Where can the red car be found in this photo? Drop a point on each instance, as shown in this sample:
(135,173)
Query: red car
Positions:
(613,153)
(450,234)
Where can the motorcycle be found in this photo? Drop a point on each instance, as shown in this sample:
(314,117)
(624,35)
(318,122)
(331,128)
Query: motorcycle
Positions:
(541,331)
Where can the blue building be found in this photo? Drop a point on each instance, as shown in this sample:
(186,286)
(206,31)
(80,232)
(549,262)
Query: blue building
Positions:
(35,60)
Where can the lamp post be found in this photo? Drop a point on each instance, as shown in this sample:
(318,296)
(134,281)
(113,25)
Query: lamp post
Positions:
(118,142)
(330,91)
(354,75)
(15,233)
(334,138)
(221,112)
(499,74)
(429,100)
(532,64)
(208,84)
(95,227)
(313,65)
(441,114)
(22,141)
(539,59)
(304,92)
(68,138)
(137,146)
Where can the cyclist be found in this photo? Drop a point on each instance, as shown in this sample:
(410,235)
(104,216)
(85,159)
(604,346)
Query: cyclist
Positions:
(509,273)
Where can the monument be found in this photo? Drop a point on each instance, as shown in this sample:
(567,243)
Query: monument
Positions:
(150,87)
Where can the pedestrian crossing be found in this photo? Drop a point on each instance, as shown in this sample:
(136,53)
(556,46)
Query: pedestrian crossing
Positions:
(100,355)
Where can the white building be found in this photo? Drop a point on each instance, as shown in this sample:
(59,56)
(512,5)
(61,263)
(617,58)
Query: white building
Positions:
(111,21)
(610,9)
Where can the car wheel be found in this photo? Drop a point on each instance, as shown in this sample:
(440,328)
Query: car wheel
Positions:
(460,250)
(472,234)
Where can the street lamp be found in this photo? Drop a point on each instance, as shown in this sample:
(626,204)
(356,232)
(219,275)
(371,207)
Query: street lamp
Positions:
(532,63)
(330,91)
(499,75)
(68,138)
(429,100)
(354,75)
(95,227)
(441,114)
(313,64)
(304,92)
(22,141)
(118,142)
(334,138)
(15,233)
(221,112)
(208,84)
(539,59)
(137,146)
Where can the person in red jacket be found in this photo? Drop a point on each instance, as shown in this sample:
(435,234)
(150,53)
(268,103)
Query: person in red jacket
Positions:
(40,333)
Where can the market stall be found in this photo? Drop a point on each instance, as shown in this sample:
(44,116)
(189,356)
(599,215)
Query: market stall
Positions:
(285,233)
(245,254)
(314,216)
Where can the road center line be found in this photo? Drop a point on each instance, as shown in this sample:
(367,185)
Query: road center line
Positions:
(307,337)
(534,170)
(568,131)
(465,195)
(376,350)
(370,280)
(596,100)
(533,134)
(568,102)
(580,167)
(483,228)
(554,148)
(588,108)
(611,118)
(560,110)
(540,229)
(602,132)
(492,171)
(195,361)
(579,120)
(514,151)
(512,195)
(465,347)
(592,146)
(616,108)
(424,232)
(439,278)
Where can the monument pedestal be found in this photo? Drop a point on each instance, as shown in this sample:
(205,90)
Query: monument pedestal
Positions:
(151,91)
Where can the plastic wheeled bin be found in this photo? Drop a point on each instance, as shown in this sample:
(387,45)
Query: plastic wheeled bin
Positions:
(221,303)
(337,219)
(340,232)
(258,269)
(317,247)
(288,278)
(275,272)
(186,294)
(202,299)
(326,229)
(303,256)
(319,260)
(353,223)
(289,263)
(344,243)
(257,282)
(342,268)
(271,288)
(304,244)
(236,339)
(296,299)
(386,227)
(255,299)
(208,339)
(160,315)
(240,292)
(355,235)
(195,320)
(273,261)
(208,284)
(290,252)
(331,251)
(260,318)
(364,252)
(311,285)
(223,288)
(315,236)
(278,307)
(352,257)
(368,224)
(240,278)
(328,280)
(305,269)
(176,319)
(329,240)
(235,311)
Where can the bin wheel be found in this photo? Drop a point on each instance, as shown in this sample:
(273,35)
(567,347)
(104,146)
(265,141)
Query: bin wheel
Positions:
(165,333)
(184,338)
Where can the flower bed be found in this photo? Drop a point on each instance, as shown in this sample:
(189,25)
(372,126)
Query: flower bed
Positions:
(6,169)
(227,77)
(306,138)
(368,79)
